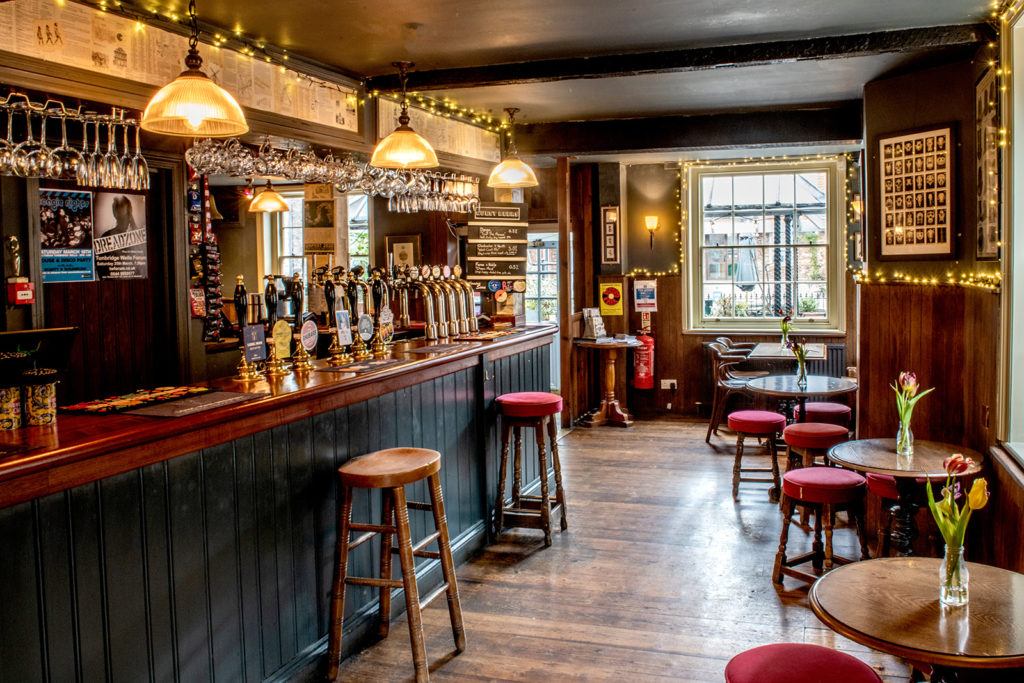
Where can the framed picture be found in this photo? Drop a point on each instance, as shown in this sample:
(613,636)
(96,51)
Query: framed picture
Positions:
(916,190)
(319,214)
(611,253)
(986,131)
(404,250)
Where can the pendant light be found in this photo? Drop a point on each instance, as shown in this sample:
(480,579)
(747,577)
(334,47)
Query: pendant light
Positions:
(268,201)
(512,172)
(192,105)
(404,148)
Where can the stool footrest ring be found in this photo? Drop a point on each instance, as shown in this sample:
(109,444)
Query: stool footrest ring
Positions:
(433,594)
(371,581)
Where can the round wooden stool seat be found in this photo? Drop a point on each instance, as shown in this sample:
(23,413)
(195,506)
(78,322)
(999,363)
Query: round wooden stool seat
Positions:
(823,485)
(819,436)
(821,411)
(797,663)
(756,422)
(882,485)
(390,468)
(529,404)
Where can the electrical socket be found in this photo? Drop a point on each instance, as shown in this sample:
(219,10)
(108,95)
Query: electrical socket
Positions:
(668,406)
(669,384)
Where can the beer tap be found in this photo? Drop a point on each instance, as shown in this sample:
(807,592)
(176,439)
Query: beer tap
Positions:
(380,295)
(354,274)
(270,298)
(336,295)
(400,288)
(275,366)
(417,284)
(456,316)
(240,304)
(328,285)
(467,288)
(432,273)
(355,285)
(301,360)
(294,289)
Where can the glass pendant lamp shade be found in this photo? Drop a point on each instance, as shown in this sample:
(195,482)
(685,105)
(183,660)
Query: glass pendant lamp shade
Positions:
(404,148)
(268,201)
(512,172)
(192,105)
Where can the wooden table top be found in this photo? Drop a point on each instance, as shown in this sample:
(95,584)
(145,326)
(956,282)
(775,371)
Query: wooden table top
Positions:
(776,351)
(879,456)
(892,604)
(785,385)
(617,344)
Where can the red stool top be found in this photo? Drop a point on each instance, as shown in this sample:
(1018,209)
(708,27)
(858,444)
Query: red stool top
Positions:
(529,404)
(882,485)
(833,413)
(823,485)
(797,663)
(756,422)
(815,435)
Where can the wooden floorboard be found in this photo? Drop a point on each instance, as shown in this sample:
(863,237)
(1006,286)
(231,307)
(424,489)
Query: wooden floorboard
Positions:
(661,576)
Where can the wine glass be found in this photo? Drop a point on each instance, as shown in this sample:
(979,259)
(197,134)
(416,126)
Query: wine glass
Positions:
(82,172)
(96,171)
(139,170)
(27,163)
(7,146)
(64,160)
(126,161)
(112,172)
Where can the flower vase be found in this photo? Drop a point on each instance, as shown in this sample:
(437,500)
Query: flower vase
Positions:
(905,440)
(785,338)
(801,373)
(953,578)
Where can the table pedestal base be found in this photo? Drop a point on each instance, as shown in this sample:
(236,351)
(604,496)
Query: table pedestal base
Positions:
(904,524)
(609,412)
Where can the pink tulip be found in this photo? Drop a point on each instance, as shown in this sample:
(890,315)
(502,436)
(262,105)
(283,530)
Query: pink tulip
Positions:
(956,464)
(908,382)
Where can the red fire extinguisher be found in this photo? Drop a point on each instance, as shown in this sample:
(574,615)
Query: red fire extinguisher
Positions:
(643,363)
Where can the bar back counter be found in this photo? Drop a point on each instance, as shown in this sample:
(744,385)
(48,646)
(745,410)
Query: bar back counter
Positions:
(202,547)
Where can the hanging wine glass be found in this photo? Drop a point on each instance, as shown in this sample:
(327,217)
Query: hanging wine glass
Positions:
(25,164)
(7,146)
(111,161)
(64,161)
(139,168)
(97,175)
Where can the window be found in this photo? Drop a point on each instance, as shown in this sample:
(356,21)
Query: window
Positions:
(766,238)
(542,290)
(283,248)
(358,230)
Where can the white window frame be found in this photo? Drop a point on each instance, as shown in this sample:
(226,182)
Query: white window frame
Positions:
(835,323)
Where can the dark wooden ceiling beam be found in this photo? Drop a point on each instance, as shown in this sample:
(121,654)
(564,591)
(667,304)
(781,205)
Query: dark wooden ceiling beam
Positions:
(693,59)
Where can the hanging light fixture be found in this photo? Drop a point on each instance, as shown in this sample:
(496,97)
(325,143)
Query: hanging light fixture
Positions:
(404,148)
(512,171)
(268,201)
(192,105)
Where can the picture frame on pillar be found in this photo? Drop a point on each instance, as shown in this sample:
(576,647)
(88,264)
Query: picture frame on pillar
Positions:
(404,250)
(611,235)
(989,165)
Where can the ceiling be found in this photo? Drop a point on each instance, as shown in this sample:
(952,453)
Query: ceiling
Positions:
(362,38)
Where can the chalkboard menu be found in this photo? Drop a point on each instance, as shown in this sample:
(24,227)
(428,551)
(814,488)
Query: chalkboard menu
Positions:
(496,245)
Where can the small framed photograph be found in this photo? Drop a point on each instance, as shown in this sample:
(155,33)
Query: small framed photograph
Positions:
(404,250)
(611,254)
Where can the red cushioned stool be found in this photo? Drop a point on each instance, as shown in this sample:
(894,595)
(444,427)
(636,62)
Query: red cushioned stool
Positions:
(797,663)
(832,413)
(764,425)
(884,486)
(529,409)
(806,441)
(823,491)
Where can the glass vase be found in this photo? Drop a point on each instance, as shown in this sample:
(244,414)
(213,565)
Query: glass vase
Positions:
(801,373)
(905,440)
(953,578)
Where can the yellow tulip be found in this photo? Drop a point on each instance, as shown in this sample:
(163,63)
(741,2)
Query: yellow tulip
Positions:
(978,495)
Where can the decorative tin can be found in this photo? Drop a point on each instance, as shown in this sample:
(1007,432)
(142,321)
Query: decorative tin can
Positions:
(40,397)
(10,407)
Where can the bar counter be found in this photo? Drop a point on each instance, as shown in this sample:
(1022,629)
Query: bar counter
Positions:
(202,547)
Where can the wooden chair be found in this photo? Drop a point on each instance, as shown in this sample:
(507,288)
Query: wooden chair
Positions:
(744,348)
(727,383)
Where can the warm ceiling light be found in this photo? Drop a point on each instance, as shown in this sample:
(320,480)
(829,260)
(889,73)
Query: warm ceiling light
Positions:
(512,171)
(651,223)
(192,105)
(404,148)
(268,201)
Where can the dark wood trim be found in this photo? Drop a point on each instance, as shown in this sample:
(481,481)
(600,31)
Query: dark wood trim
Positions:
(693,59)
(565,285)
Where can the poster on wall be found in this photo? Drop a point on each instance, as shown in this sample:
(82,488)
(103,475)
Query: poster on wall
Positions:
(318,234)
(916,183)
(120,243)
(645,295)
(66,234)
(611,298)
(986,122)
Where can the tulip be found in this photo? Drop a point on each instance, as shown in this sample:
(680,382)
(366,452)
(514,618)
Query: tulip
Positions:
(956,464)
(908,382)
(978,496)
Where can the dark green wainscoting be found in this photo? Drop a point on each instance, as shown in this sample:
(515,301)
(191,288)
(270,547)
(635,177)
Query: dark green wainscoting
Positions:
(217,565)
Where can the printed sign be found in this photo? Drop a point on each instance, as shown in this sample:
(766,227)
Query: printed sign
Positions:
(282,334)
(496,250)
(120,243)
(611,299)
(365,327)
(66,233)
(344,327)
(255,343)
(645,295)
(498,212)
(308,335)
(645,321)
(496,243)
(487,269)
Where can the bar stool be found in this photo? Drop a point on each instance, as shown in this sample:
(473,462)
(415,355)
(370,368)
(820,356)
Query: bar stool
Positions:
(762,424)
(797,663)
(823,491)
(529,409)
(391,470)
(820,411)
(811,440)
(884,486)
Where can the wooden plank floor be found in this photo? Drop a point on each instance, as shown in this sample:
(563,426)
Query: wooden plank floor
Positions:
(660,576)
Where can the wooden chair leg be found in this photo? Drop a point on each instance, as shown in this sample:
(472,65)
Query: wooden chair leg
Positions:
(780,555)
(736,465)
(412,598)
(388,520)
(499,501)
(829,518)
(776,490)
(338,591)
(712,425)
(559,491)
(517,468)
(447,563)
(545,500)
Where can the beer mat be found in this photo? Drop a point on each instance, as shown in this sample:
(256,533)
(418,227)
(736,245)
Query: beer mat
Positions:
(136,399)
(366,366)
(486,336)
(193,404)
(435,348)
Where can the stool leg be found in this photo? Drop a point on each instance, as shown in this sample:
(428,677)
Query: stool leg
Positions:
(499,502)
(545,500)
(736,467)
(517,467)
(447,563)
(338,592)
(412,597)
(773,494)
(387,519)
(862,533)
(712,425)
(816,546)
(559,491)
(829,516)
(780,555)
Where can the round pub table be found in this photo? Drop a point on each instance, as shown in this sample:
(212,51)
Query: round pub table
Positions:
(787,387)
(879,456)
(892,604)
(610,411)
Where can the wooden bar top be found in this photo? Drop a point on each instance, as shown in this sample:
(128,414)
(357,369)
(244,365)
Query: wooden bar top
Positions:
(78,449)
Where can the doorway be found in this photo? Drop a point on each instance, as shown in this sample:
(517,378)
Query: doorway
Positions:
(542,290)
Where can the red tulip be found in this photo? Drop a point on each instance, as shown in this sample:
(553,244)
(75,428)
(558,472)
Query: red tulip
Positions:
(908,382)
(957,464)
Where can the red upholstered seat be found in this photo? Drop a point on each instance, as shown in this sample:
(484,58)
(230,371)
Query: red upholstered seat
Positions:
(882,485)
(797,663)
(832,413)
(823,485)
(756,422)
(814,435)
(529,404)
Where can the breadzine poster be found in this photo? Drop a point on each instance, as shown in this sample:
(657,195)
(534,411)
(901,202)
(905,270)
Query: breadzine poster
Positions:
(120,243)
(611,299)
(66,234)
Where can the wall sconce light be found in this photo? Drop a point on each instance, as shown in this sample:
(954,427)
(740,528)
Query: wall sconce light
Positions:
(651,223)
(248,192)
(857,204)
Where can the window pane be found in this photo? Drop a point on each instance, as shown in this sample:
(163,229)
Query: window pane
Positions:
(549,285)
(778,190)
(813,301)
(718,265)
(549,310)
(716,192)
(717,230)
(812,264)
(749,192)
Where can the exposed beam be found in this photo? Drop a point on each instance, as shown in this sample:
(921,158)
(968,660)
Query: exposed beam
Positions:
(840,124)
(692,59)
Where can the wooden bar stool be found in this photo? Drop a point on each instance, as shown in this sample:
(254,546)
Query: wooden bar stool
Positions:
(797,663)
(823,491)
(883,486)
(762,424)
(529,409)
(822,411)
(807,441)
(391,470)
